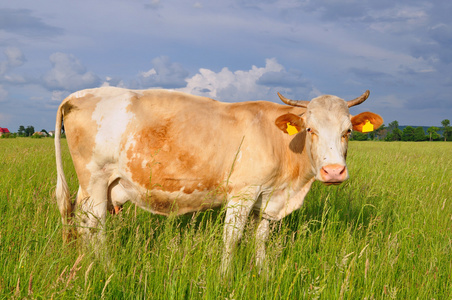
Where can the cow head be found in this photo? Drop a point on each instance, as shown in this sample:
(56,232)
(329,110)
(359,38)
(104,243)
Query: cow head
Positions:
(328,124)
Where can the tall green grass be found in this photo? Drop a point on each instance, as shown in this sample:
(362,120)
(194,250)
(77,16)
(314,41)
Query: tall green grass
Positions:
(384,234)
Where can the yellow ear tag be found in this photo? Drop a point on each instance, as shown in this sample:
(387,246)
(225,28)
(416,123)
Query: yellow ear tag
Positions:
(291,130)
(368,127)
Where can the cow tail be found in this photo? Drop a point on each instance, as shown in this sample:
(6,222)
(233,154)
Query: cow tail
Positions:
(62,189)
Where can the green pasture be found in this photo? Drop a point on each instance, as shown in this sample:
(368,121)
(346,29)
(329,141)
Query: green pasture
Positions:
(384,234)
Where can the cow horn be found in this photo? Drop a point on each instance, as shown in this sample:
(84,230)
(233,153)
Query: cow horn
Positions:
(299,103)
(358,100)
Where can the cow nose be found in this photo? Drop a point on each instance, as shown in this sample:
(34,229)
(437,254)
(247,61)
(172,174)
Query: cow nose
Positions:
(334,173)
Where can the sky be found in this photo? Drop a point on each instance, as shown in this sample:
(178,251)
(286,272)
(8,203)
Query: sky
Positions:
(229,50)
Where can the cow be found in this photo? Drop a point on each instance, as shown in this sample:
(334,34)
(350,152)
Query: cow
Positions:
(174,153)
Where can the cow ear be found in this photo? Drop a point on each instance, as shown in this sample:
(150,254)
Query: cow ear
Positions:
(289,123)
(366,122)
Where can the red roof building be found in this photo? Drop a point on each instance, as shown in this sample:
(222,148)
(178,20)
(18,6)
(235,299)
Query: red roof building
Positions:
(4,130)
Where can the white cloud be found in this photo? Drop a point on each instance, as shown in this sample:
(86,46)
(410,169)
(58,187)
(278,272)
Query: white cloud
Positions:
(148,73)
(14,58)
(58,95)
(68,74)
(110,81)
(254,84)
(165,74)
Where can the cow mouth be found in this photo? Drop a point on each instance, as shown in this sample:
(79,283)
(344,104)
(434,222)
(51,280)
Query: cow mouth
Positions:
(332,183)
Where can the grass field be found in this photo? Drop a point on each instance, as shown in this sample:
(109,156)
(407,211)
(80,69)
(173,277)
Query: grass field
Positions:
(384,234)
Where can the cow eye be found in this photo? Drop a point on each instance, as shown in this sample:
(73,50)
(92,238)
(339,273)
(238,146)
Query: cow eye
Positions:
(347,133)
(308,129)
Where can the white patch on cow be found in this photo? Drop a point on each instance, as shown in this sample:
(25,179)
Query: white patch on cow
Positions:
(80,94)
(145,164)
(112,117)
(278,204)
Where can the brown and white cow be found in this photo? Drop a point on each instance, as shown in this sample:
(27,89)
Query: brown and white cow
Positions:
(170,152)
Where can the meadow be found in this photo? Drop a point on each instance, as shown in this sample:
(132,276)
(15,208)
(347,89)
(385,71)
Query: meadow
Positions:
(386,233)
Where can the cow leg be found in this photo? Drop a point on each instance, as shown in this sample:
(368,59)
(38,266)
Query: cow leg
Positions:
(237,213)
(262,233)
(92,210)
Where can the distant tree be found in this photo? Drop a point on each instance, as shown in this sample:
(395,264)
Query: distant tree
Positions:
(45,131)
(393,125)
(433,133)
(7,135)
(29,131)
(395,135)
(408,134)
(419,134)
(447,129)
(21,131)
(381,132)
(359,136)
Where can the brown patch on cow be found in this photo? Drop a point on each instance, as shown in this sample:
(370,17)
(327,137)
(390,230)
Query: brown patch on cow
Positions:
(169,165)
(148,141)
(295,171)
(178,176)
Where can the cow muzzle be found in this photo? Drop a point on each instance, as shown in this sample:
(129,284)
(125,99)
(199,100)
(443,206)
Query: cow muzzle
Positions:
(333,174)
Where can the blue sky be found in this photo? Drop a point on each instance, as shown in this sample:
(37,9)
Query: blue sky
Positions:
(230,51)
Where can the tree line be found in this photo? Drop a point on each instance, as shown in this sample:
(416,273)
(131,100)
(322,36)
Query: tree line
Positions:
(28,131)
(409,133)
